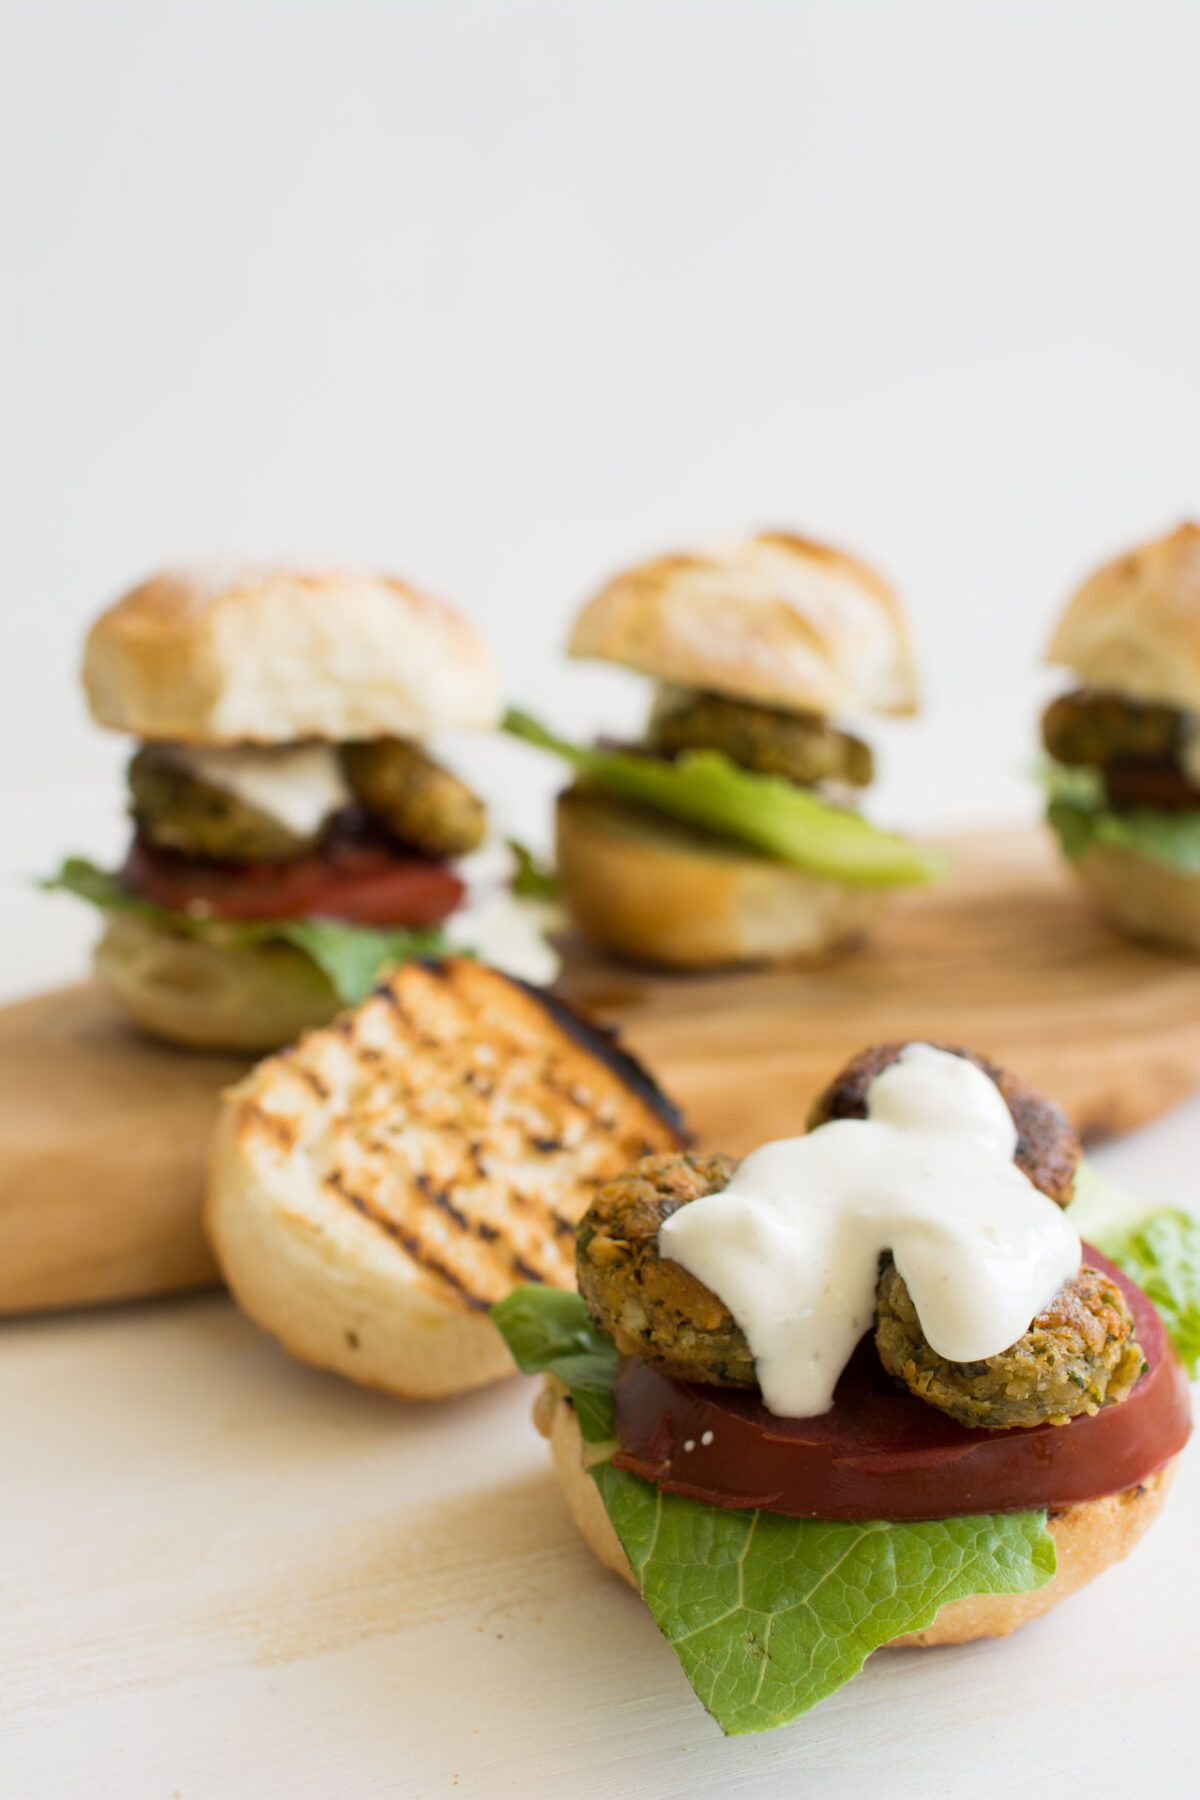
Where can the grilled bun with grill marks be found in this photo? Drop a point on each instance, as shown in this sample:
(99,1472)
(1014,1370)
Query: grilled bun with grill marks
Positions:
(376,1188)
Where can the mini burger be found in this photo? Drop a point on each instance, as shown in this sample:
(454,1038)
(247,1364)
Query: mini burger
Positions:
(293,835)
(866,1387)
(729,832)
(1124,778)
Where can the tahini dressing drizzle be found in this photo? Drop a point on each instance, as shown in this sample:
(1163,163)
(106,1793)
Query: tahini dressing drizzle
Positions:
(792,1245)
(300,785)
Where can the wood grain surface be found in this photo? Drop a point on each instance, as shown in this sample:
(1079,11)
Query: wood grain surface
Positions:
(1006,957)
(102,1146)
(103,1133)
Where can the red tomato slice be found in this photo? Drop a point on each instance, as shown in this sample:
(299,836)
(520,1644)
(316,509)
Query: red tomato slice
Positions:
(880,1453)
(365,884)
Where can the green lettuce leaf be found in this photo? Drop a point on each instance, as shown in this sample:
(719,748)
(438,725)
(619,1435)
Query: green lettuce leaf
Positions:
(533,879)
(1159,1248)
(1080,816)
(352,957)
(768,1615)
(549,1330)
(708,789)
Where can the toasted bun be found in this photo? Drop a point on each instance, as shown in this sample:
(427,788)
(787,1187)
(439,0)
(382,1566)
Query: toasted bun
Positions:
(377,1187)
(1145,899)
(1134,626)
(209,997)
(1088,1538)
(237,652)
(771,618)
(656,892)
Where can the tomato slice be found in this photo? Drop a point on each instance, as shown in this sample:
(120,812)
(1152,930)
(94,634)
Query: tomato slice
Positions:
(362,883)
(880,1453)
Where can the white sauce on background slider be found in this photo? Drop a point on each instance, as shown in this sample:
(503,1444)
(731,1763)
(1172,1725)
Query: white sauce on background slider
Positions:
(298,785)
(792,1245)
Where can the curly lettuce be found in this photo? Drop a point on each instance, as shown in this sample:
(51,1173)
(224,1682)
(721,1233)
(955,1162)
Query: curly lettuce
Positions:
(768,1615)
(1158,1247)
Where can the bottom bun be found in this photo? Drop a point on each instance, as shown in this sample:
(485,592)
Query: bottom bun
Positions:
(1148,900)
(657,892)
(1088,1538)
(207,996)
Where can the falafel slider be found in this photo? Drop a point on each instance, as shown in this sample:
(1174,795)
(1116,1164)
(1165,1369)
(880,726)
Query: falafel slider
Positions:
(1124,781)
(293,836)
(866,1387)
(730,833)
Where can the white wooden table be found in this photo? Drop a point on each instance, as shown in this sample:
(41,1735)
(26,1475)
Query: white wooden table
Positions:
(226,1577)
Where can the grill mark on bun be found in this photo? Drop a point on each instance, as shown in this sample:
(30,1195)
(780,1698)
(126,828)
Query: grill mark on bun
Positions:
(462,1115)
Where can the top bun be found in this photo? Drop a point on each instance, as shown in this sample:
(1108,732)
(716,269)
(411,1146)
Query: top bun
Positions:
(1134,626)
(267,653)
(770,618)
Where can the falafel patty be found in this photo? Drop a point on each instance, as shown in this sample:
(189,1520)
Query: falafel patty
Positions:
(414,797)
(1048,1148)
(1078,1355)
(804,747)
(175,810)
(1086,727)
(649,1305)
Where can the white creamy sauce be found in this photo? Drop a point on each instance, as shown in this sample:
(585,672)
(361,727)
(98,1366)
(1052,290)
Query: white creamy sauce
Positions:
(792,1245)
(510,933)
(299,785)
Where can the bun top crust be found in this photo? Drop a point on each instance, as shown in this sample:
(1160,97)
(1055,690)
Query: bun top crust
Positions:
(272,653)
(771,618)
(1134,626)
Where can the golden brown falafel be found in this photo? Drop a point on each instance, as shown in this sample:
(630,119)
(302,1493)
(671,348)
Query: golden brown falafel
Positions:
(1048,1147)
(414,797)
(175,810)
(649,1305)
(801,746)
(1078,1355)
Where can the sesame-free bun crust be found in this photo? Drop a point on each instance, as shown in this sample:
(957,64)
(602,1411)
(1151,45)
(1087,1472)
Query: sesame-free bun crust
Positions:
(771,618)
(655,892)
(207,996)
(268,653)
(1088,1538)
(1146,900)
(376,1188)
(1134,626)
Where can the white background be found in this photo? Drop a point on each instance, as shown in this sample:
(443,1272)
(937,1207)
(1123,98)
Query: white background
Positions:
(501,296)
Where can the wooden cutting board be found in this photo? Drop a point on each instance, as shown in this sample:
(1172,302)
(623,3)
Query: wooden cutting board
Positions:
(1006,956)
(102,1143)
(102,1133)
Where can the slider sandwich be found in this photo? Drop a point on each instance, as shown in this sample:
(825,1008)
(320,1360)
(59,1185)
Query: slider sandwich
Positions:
(1124,780)
(293,834)
(729,833)
(866,1387)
